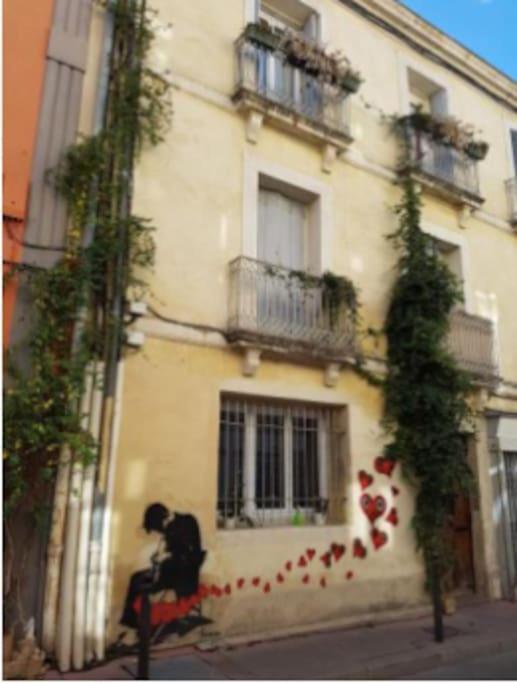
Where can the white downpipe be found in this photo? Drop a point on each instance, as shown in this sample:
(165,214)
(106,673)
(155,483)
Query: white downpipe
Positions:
(81,578)
(55,552)
(102,586)
(66,596)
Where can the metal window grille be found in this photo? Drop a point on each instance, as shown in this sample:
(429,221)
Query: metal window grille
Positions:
(510,463)
(279,463)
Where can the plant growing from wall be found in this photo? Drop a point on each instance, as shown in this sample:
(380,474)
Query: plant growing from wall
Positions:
(425,393)
(78,303)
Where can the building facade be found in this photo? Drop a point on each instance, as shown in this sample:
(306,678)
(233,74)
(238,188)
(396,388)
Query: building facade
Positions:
(242,406)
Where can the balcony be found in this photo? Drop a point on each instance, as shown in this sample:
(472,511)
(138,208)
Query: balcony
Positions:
(272,307)
(442,169)
(511,191)
(471,340)
(270,87)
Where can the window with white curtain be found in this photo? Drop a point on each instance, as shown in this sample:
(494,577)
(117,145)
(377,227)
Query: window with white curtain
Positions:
(279,463)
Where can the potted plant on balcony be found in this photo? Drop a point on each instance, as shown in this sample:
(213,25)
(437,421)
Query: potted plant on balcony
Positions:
(351,81)
(320,511)
(477,149)
(261,33)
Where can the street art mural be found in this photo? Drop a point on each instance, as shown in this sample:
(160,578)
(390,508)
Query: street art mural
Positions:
(176,565)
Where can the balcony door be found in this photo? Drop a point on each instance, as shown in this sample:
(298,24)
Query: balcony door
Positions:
(282,239)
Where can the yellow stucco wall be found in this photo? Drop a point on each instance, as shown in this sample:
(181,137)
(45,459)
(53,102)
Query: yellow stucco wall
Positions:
(193,188)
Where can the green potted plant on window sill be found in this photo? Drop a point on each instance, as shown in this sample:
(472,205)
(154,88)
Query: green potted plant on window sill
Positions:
(261,33)
(320,511)
(351,81)
(477,149)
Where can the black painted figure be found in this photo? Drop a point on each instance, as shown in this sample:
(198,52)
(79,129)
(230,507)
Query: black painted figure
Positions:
(176,568)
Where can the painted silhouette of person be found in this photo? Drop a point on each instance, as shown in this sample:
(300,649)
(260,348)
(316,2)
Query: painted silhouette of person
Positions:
(179,566)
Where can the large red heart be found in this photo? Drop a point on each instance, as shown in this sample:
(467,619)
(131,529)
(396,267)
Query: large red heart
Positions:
(255,581)
(393,517)
(379,538)
(302,562)
(338,550)
(365,479)
(359,549)
(373,507)
(384,465)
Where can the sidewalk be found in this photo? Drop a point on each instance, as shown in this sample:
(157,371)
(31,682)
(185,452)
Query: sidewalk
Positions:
(383,651)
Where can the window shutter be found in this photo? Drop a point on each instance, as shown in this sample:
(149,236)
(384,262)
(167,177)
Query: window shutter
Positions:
(514,150)
(311,28)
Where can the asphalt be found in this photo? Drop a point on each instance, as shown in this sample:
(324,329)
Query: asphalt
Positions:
(396,650)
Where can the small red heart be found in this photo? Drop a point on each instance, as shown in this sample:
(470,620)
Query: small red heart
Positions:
(326,558)
(379,538)
(288,566)
(393,517)
(240,583)
(255,581)
(338,551)
(384,465)
(395,490)
(227,589)
(359,549)
(279,578)
(267,587)
(365,479)
(216,591)
(323,582)
(302,562)
(310,552)
(306,578)
(349,575)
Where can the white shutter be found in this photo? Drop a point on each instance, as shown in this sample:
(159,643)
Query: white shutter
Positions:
(281,230)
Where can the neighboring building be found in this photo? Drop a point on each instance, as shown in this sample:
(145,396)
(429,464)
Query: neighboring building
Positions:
(242,407)
(53,53)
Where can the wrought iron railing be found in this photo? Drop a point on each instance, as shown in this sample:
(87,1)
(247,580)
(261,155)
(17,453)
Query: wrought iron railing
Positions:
(511,191)
(279,306)
(442,162)
(267,73)
(471,340)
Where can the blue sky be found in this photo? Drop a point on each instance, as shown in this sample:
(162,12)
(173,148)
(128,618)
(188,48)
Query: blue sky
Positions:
(487,27)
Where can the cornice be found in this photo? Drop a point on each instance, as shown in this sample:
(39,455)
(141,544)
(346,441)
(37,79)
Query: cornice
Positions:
(438,46)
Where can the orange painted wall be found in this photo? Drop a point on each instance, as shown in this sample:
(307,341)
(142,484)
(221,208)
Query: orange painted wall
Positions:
(25,37)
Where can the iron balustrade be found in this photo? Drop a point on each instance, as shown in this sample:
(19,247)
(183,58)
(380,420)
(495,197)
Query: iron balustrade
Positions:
(442,162)
(281,306)
(471,340)
(268,74)
(511,191)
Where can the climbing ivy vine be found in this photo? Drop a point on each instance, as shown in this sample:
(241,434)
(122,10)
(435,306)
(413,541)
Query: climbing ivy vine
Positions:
(425,392)
(75,312)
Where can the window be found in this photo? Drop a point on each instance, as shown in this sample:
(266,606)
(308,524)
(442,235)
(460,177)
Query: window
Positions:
(279,463)
(513,148)
(292,15)
(282,230)
(450,254)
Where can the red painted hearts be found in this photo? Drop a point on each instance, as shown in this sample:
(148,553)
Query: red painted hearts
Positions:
(216,592)
(326,558)
(338,550)
(373,507)
(240,583)
(267,587)
(393,517)
(365,479)
(310,552)
(323,582)
(302,562)
(349,575)
(384,465)
(395,490)
(279,578)
(255,581)
(379,538)
(359,549)
(227,589)
(288,566)
(306,578)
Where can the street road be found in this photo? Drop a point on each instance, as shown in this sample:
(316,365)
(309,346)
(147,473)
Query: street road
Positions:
(494,667)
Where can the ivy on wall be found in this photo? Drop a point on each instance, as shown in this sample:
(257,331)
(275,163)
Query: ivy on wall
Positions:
(75,303)
(425,392)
